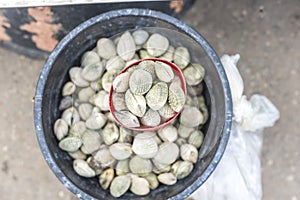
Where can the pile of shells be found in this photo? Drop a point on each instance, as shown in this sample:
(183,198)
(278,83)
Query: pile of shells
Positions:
(121,159)
(143,92)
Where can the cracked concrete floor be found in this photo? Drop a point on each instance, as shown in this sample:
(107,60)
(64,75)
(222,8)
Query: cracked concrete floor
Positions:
(267,36)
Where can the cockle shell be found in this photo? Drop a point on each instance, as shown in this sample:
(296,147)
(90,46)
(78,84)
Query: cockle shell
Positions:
(121,82)
(77,79)
(157,45)
(136,104)
(181,57)
(160,168)
(151,118)
(106,178)
(104,156)
(85,94)
(149,66)
(118,100)
(144,54)
(120,151)
(167,153)
(95,165)
(189,152)
(167,178)
(139,186)
(91,140)
(191,117)
(115,63)
(70,115)
(166,112)
(82,168)
(168,133)
(108,78)
(89,57)
(85,110)
(144,145)
(157,96)
(140,37)
(77,129)
(164,72)
(127,119)
(152,179)
(122,167)
(184,131)
(140,166)
(92,71)
(68,88)
(168,55)
(140,81)
(194,74)
(110,133)
(106,48)
(126,46)
(96,85)
(96,121)
(65,102)
(182,169)
(125,135)
(120,185)
(78,155)
(196,138)
(70,144)
(180,141)
(101,100)
(61,129)
(176,97)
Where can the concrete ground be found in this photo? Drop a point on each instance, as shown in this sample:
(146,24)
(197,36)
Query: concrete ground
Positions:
(267,36)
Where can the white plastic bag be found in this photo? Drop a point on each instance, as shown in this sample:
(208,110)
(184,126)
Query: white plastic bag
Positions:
(238,175)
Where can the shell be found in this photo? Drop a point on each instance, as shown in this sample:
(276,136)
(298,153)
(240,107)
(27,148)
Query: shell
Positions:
(140,81)
(191,117)
(65,102)
(167,153)
(78,155)
(95,165)
(108,78)
(203,108)
(140,166)
(160,168)
(70,115)
(68,88)
(122,167)
(85,94)
(182,169)
(96,121)
(96,85)
(118,100)
(82,168)
(149,66)
(144,54)
(189,152)
(167,178)
(136,104)
(120,151)
(139,186)
(151,118)
(103,156)
(176,97)
(127,119)
(126,46)
(61,129)
(91,140)
(157,96)
(101,100)
(119,185)
(93,71)
(181,57)
(70,144)
(89,57)
(180,141)
(164,72)
(75,76)
(110,133)
(152,180)
(106,48)
(144,145)
(140,37)
(196,138)
(168,133)
(77,129)
(169,54)
(157,45)
(125,135)
(184,131)
(110,117)
(106,178)
(121,82)
(194,74)
(85,110)
(115,63)
(166,112)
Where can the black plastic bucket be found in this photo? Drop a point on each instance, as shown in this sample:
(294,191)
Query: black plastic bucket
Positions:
(82,38)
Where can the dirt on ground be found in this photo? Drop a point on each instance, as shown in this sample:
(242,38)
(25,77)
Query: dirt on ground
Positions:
(267,36)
